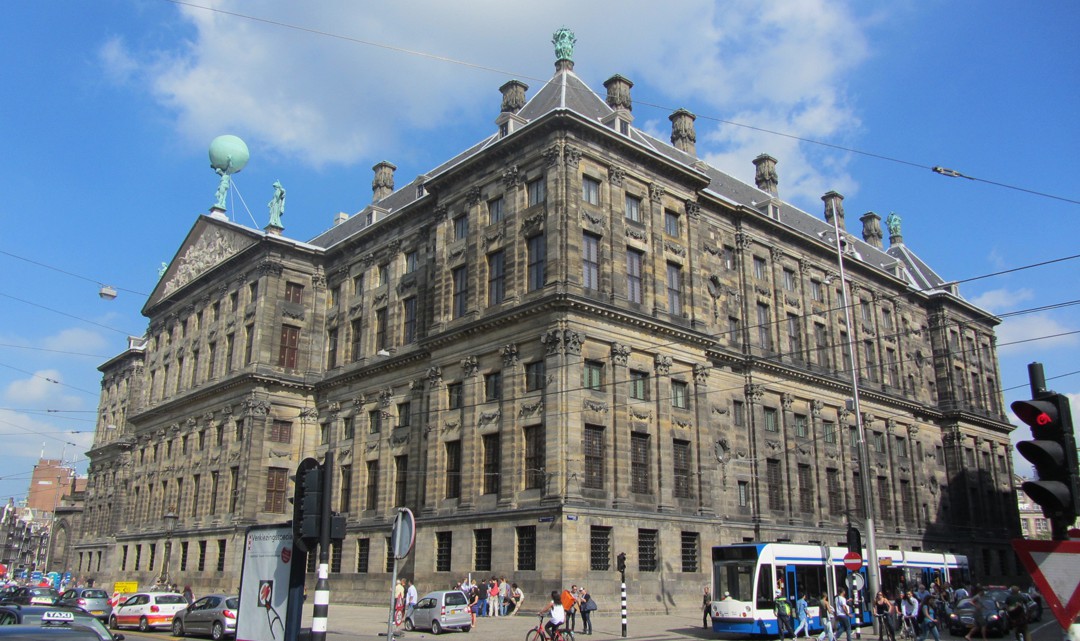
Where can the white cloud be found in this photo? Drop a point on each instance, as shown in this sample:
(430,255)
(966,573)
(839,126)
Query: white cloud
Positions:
(75,339)
(1002,300)
(42,389)
(325,99)
(1028,329)
(119,66)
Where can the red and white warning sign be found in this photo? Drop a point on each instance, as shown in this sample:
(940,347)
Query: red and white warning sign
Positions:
(1055,568)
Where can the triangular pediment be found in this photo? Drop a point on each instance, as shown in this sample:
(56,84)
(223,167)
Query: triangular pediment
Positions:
(208,244)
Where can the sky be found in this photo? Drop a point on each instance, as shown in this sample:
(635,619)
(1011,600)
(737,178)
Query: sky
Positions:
(108,109)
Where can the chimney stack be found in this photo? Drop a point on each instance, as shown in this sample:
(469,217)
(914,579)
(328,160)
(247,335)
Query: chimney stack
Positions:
(765,177)
(618,93)
(513,96)
(871,229)
(834,206)
(683,135)
(383,184)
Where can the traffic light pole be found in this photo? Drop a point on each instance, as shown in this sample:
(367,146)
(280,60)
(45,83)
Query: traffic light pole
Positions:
(321,610)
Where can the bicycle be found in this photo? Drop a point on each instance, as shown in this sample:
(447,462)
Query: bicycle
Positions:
(539,634)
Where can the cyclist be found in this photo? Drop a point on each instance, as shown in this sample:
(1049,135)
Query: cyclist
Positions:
(554,609)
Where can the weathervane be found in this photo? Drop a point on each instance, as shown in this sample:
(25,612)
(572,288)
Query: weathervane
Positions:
(228,155)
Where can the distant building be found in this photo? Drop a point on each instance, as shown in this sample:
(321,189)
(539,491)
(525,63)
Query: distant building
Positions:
(1033,525)
(50,481)
(570,340)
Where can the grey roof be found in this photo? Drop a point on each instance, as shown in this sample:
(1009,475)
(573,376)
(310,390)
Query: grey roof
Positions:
(566,91)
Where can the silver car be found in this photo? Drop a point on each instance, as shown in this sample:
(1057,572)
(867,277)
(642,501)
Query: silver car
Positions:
(213,615)
(438,611)
(93,600)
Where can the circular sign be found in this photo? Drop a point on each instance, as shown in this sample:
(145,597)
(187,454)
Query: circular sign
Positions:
(852,561)
(286,554)
(855,581)
(404,533)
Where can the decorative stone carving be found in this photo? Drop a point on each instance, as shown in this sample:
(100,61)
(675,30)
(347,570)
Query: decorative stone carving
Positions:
(842,415)
(816,406)
(773,446)
(256,406)
(439,213)
(510,355)
(868,419)
(743,241)
(209,250)
(532,224)
(662,364)
(571,156)
(620,354)
(552,154)
(674,248)
(595,406)
(693,209)
(616,175)
(529,409)
(511,177)
(701,374)
(912,431)
(787,399)
(488,417)
(592,218)
(472,196)
(636,234)
(309,414)
(434,376)
(398,441)
(386,397)
(717,409)
(722,450)
(754,392)
(656,192)
(469,366)
(451,424)
(681,423)
(277,454)
(640,415)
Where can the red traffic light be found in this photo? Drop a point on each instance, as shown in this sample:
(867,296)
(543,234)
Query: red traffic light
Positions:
(1036,413)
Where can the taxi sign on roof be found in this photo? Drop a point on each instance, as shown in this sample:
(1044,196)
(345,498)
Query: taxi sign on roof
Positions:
(56,615)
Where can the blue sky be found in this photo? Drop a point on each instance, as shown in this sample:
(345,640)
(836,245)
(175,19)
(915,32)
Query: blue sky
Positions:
(109,106)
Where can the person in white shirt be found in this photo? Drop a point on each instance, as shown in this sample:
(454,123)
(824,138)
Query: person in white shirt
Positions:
(410,598)
(555,610)
(843,613)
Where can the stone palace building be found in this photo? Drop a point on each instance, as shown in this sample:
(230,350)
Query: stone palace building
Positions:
(570,340)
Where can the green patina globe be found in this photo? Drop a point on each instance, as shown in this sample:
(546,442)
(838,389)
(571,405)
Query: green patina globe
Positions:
(228,153)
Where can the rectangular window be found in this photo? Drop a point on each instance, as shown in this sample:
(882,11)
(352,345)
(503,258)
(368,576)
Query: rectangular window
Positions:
(526,547)
(727,256)
(372,499)
(680,394)
(346,489)
(230,350)
(534,457)
(290,347)
(335,556)
(634,260)
(886,319)
(738,413)
(639,463)
(884,498)
(453,469)
(648,547)
(496,278)
(535,376)
(357,349)
(593,449)
(495,211)
(600,548)
(592,375)
(870,369)
(443,547)
(845,351)
(639,385)
(789,280)
(674,289)
(671,223)
(537,190)
(408,325)
(294,293)
(374,421)
(794,333)
(691,551)
(829,429)
(357,290)
(760,268)
(234,488)
(461,227)
(401,480)
(331,348)
(202,556)
(744,493)
(832,480)
(802,425)
(412,261)
(281,432)
(681,468)
(381,335)
(454,398)
(348,428)
(277,481)
(806,488)
(772,423)
(493,386)
(817,293)
(764,327)
(821,344)
(908,505)
(537,249)
(492,463)
(633,208)
(482,550)
(857,495)
(590,190)
(404,414)
(864,308)
(775,482)
(460,276)
(590,256)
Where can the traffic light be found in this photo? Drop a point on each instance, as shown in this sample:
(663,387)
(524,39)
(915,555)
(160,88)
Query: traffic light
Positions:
(854,540)
(1053,454)
(620,562)
(307,501)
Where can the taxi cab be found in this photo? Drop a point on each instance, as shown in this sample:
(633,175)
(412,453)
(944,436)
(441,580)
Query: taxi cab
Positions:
(147,610)
(45,621)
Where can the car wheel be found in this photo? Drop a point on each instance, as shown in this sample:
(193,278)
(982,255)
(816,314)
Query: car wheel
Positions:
(409,625)
(177,627)
(435,627)
(144,625)
(113,624)
(217,632)
(466,628)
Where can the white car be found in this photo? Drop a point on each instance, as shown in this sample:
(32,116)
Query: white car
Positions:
(147,610)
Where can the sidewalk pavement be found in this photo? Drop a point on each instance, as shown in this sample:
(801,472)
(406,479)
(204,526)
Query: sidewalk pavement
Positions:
(367,623)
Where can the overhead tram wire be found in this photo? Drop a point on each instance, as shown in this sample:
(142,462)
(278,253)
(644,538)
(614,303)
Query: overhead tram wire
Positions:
(64,271)
(53,351)
(79,318)
(50,380)
(666,109)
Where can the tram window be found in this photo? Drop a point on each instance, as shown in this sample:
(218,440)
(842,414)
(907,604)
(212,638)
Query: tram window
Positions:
(809,582)
(765,587)
(735,578)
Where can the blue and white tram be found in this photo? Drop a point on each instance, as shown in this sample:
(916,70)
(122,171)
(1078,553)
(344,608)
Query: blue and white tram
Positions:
(747,578)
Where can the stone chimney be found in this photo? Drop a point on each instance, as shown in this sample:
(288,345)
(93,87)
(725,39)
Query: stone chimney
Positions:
(618,93)
(383,184)
(871,229)
(765,177)
(513,96)
(683,135)
(340,218)
(834,206)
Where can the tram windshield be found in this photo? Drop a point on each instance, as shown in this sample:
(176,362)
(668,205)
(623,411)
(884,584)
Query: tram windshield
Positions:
(733,572)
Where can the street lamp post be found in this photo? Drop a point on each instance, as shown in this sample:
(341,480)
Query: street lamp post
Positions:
(170,519)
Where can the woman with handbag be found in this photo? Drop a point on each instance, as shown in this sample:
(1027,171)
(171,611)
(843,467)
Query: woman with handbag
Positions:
(588,606)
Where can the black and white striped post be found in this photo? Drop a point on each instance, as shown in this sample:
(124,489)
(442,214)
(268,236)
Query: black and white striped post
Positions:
(621,559)
(321,610)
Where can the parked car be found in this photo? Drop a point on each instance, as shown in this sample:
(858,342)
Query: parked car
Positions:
(213,614)
(33,596)
(147,610)
(93,600)
(438,611)
(962,617)
(54,615)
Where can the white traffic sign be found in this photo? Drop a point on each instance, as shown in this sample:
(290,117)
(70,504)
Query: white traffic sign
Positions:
(855,581)
(1055,568)
(404,533)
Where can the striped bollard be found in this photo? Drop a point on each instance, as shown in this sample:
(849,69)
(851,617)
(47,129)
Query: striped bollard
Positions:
(321,610)
(622,591)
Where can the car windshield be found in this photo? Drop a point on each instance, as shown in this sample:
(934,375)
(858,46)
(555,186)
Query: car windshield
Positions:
(232,603)
(94,594)
(171,599)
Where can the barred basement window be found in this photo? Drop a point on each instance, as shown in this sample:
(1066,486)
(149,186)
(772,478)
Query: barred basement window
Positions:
(183,555)
(691,544)
(600,548)
(526,547)
(389,554)
(363,555)
(202,556)
(648,541)
(312,562)
(482,550)
(443,544)
(335,556)
(221,555)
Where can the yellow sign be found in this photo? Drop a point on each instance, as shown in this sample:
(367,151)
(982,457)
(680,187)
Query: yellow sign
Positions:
(886,562)
(124,587)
